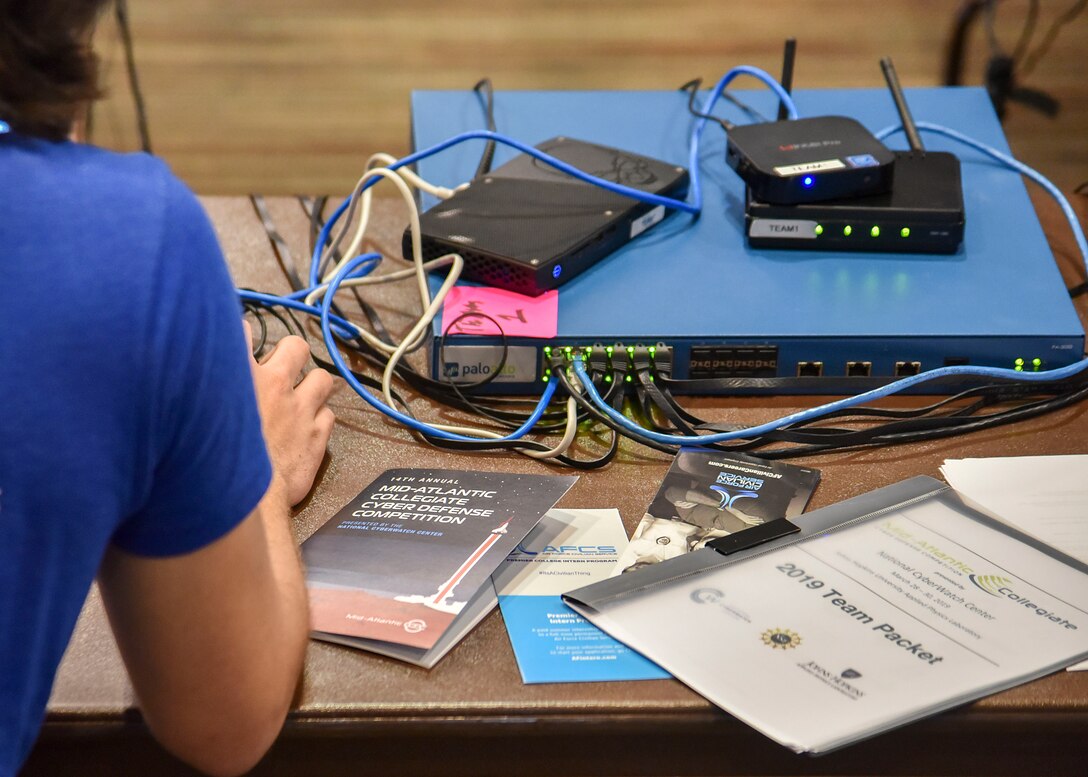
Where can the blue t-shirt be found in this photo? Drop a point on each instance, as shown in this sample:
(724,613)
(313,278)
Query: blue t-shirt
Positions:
(127,410)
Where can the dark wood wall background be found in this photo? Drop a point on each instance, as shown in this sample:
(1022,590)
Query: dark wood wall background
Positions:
(285,97)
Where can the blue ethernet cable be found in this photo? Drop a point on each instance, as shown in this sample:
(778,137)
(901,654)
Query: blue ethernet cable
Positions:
(708,105)
(372,260)
(822,410)
(406,420)
(293,300)
(345,327)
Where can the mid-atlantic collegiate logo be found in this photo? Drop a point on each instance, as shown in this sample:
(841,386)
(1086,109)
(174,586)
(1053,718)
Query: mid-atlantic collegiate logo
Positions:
(415,625)
(781,639)
(990,583)
(706,595)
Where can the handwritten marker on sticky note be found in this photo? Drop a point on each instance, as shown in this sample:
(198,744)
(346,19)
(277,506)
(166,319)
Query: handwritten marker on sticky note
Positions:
(475,310)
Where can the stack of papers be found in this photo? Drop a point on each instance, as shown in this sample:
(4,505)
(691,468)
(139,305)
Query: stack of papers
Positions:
(1046,497)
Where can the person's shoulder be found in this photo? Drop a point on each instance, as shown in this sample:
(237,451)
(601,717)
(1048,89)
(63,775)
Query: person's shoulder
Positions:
(141,181)
(90,179)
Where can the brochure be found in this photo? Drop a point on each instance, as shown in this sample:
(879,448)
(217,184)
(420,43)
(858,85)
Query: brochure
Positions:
(888,608)
(404,568)
(551,642)
(710,494)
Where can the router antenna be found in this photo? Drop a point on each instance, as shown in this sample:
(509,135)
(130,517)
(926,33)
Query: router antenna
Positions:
(909,127)
(787,73)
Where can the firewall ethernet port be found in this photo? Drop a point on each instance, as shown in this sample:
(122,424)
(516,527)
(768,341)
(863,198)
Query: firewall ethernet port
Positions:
(903,369)
(859,369)
(810,369)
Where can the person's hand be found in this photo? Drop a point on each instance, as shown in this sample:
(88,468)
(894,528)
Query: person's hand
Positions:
(296,420)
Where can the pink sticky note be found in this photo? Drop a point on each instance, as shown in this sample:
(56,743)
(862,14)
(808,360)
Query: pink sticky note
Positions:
(465,308)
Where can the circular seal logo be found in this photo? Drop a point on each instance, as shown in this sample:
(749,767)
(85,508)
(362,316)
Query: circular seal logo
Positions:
(781,638)
(415,626)
(706,595)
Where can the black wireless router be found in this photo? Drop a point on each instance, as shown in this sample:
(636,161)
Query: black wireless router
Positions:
(528,227)
(809,160)
(922,213)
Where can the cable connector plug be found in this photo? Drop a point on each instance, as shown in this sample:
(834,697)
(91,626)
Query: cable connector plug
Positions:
(640,358)
(598,361)
(620,362)
(662,356)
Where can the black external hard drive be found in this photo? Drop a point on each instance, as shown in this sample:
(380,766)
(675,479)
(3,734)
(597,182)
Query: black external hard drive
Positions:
(528,227)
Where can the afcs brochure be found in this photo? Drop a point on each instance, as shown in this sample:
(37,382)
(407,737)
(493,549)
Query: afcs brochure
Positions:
(552,643)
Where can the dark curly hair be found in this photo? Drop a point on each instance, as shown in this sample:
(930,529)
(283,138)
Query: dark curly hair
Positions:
(47,67)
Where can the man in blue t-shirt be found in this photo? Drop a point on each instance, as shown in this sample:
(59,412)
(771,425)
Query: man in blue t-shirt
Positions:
(131,439)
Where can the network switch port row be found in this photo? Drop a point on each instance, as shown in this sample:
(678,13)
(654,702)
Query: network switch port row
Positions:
(733,361)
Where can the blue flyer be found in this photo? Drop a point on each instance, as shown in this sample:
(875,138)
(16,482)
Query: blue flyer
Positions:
(568,549)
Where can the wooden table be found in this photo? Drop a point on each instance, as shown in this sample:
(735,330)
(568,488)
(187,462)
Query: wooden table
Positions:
(360,714)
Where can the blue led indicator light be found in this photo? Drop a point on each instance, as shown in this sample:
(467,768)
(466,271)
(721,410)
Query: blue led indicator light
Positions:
(557,270)
(808,181)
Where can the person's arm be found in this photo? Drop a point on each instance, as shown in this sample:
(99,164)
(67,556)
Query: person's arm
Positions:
(214,639)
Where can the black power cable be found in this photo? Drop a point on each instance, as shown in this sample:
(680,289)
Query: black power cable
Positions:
(121,9)
(486,93)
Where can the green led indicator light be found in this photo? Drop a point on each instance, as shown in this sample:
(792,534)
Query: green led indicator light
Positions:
(630,349)
(547,350)
(819,229)
(607,378)
(1019,362)
(567,350)
(904,232)
(628,379)
(1036,363)
(875,231)
(609,350)
(652,350)
(847,230)
(544,379)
